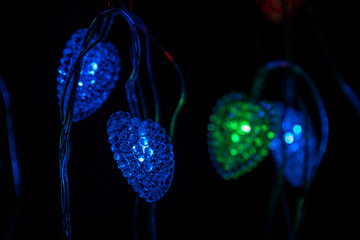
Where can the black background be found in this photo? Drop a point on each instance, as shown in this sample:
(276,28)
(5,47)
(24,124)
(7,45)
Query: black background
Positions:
(218,46)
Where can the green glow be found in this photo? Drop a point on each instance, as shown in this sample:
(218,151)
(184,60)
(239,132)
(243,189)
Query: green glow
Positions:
(264,152)
(271,135)
(239,138)
(258,141)
(235,137)
(233,152)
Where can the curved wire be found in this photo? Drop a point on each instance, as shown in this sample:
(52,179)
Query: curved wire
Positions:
(319,102)
(256,91)
(101,24)
(182,98)
(140,24)
(345,87)
(300,208)
(259,83)
(181,102)
(16,171)
(135,56)
(152,221)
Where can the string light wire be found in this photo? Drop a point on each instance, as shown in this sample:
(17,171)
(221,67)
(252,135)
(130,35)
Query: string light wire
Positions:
(344,86)
(100,24)
(256,91)
(15,165)
(140,24)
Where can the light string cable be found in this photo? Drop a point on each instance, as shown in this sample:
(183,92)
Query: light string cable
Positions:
(182,98)
(257,89)
(344,86)
(293,225)
(101,23)
(300,207)
(110,4)
(140,24)
(16,171)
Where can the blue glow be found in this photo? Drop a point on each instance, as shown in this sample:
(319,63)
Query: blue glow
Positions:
(142,150)
(99,73)
(15,166)
(289,137)
(143,153)
(92,68)
(293,145)
(297,129)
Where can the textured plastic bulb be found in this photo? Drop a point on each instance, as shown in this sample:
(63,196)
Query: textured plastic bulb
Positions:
(99,73)
(143,153)
(239,134)
(290,141)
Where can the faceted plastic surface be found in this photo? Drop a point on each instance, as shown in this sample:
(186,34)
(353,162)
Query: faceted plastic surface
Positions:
(239,134)
(99,73)
(143,153)
(290,142)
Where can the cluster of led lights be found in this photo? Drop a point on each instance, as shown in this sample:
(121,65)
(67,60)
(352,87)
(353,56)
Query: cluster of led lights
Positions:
(99,73)
(141,148)
(292,150)
(143,153)
(240,131)
(239,134)
(87,74)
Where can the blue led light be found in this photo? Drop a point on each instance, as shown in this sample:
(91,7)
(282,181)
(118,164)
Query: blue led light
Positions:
(289,137)
(297,129)
(143,153)
(293,145)
(99,73)
(92,68)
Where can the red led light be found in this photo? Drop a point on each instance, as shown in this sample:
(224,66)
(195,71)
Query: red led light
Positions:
(278,10)
(168,56)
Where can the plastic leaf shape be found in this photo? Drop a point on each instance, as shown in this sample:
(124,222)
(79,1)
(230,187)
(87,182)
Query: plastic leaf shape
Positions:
(99,73)
(239,134)
(143,153)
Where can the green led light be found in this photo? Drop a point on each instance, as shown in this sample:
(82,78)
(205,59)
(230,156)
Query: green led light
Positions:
(239,134)
(233,152)
(258,141)
(235,137)
(264,152)
(271,135)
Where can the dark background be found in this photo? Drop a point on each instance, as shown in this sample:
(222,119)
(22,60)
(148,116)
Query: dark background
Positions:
(218,46)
